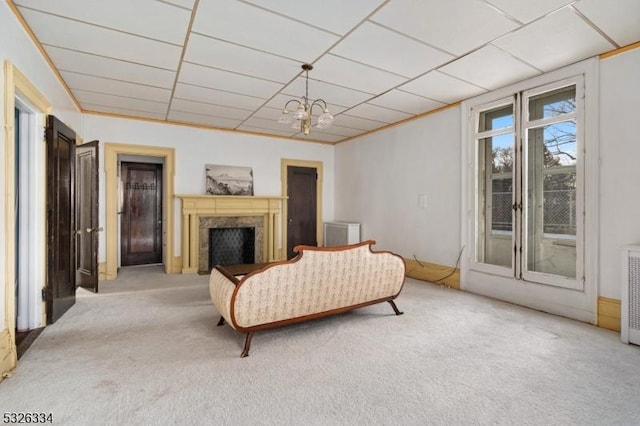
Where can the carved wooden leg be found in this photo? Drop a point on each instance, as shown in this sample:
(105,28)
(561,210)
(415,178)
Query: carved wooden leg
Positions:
(395,308)
(247,345)
(221,322)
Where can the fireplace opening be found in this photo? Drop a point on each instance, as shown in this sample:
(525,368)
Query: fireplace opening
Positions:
(231,246)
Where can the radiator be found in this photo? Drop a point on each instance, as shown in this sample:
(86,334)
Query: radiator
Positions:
(341,233)
(630,309)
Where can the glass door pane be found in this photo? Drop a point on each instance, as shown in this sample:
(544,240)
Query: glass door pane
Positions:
(494,236)
(551,184)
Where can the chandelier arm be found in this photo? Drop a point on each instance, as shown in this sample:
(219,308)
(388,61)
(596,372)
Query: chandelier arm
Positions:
(286,106)
(320,102)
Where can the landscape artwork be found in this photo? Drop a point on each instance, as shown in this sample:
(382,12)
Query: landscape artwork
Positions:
(229,180)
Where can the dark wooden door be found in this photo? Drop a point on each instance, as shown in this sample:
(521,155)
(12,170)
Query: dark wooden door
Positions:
(60,290)
(87,216)
(141,237)
(301,207)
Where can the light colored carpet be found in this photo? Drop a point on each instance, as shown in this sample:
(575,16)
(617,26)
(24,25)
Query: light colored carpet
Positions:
(135,355)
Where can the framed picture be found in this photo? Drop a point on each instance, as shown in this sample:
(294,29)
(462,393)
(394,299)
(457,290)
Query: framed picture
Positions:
(228,180)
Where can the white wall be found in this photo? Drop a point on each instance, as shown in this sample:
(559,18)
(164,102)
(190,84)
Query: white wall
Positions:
(17,47)
(620,165)
(197,147)
(381,176)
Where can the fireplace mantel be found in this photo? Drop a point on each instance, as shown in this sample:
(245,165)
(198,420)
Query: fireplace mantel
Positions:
(196,206)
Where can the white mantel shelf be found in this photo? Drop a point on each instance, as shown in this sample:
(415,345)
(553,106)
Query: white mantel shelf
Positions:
(196,206)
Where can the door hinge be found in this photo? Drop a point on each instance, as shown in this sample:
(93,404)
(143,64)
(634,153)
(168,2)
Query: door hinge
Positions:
(45,294)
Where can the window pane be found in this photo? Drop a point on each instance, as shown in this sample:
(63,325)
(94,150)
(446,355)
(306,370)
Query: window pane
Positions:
(499,118)
(553,104)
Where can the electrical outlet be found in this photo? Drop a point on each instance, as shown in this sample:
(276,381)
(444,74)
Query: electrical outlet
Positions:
(422,201)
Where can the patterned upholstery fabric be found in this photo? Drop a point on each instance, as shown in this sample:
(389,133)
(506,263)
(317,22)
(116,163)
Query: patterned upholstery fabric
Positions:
(319,281)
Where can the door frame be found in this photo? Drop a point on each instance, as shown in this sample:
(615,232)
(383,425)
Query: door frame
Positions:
(111,169)
(16,83)
(284,164)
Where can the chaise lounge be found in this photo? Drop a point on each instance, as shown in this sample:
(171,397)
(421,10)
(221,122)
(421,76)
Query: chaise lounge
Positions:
(316,283)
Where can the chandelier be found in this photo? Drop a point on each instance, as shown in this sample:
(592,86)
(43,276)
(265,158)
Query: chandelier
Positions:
(302,116)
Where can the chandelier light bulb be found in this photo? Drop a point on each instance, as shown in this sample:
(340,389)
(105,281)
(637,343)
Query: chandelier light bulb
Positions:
(285,118)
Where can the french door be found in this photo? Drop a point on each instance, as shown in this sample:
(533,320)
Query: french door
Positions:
(529,185)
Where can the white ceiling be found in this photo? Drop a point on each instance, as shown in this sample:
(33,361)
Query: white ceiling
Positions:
(233,64)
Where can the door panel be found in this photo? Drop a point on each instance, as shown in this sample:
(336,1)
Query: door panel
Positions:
(87,216)
(61,275)
(141,236)
(301,208)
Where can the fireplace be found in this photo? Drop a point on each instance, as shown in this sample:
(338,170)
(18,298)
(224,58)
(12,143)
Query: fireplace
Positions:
(231,246)
(200,213)
(222,234)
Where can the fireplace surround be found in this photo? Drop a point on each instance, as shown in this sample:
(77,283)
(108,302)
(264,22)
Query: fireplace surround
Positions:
(202,212)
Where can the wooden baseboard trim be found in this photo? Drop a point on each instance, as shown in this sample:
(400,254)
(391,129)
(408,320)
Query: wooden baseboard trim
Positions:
(433,273)
(102,272)
(609,313)
(8,355)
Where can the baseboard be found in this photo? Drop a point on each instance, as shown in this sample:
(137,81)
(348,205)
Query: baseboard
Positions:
(8,356)
(433,273)
(609,313)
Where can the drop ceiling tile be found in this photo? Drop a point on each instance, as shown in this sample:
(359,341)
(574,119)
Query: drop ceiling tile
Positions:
(456,26)
(251,26)
(345,120)
(556,40)
(265,123)
(342,72)
(77,81)
(441,87)
(182,3)
(374,45)
(216,97)
(527,11)
(231,57)
(268,113)
(620,22)
(228,81)
(490,68)
(378,113)
(206,120)
(69,60)
(337,16)
(407,102)
(84,96)
(122,111)
(335,96)
(100,41)
(209,109)
(161,21)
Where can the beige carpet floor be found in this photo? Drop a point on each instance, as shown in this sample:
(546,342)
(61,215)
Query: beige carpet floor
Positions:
(146,351)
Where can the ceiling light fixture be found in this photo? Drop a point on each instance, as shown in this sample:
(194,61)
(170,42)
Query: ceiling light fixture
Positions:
(302,116)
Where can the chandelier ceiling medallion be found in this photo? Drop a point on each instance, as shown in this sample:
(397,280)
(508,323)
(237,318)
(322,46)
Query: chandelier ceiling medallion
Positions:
(301,118)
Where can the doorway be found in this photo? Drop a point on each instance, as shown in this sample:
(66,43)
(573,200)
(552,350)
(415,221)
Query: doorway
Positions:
(29,219)
(302,183)
(113,155)
(141,214)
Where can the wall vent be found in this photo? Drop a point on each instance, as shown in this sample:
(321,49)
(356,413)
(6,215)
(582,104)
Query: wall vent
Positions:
(341,233)
(630,309)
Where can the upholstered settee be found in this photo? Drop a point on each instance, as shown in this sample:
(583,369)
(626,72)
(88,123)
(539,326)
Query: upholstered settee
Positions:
(316,283)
